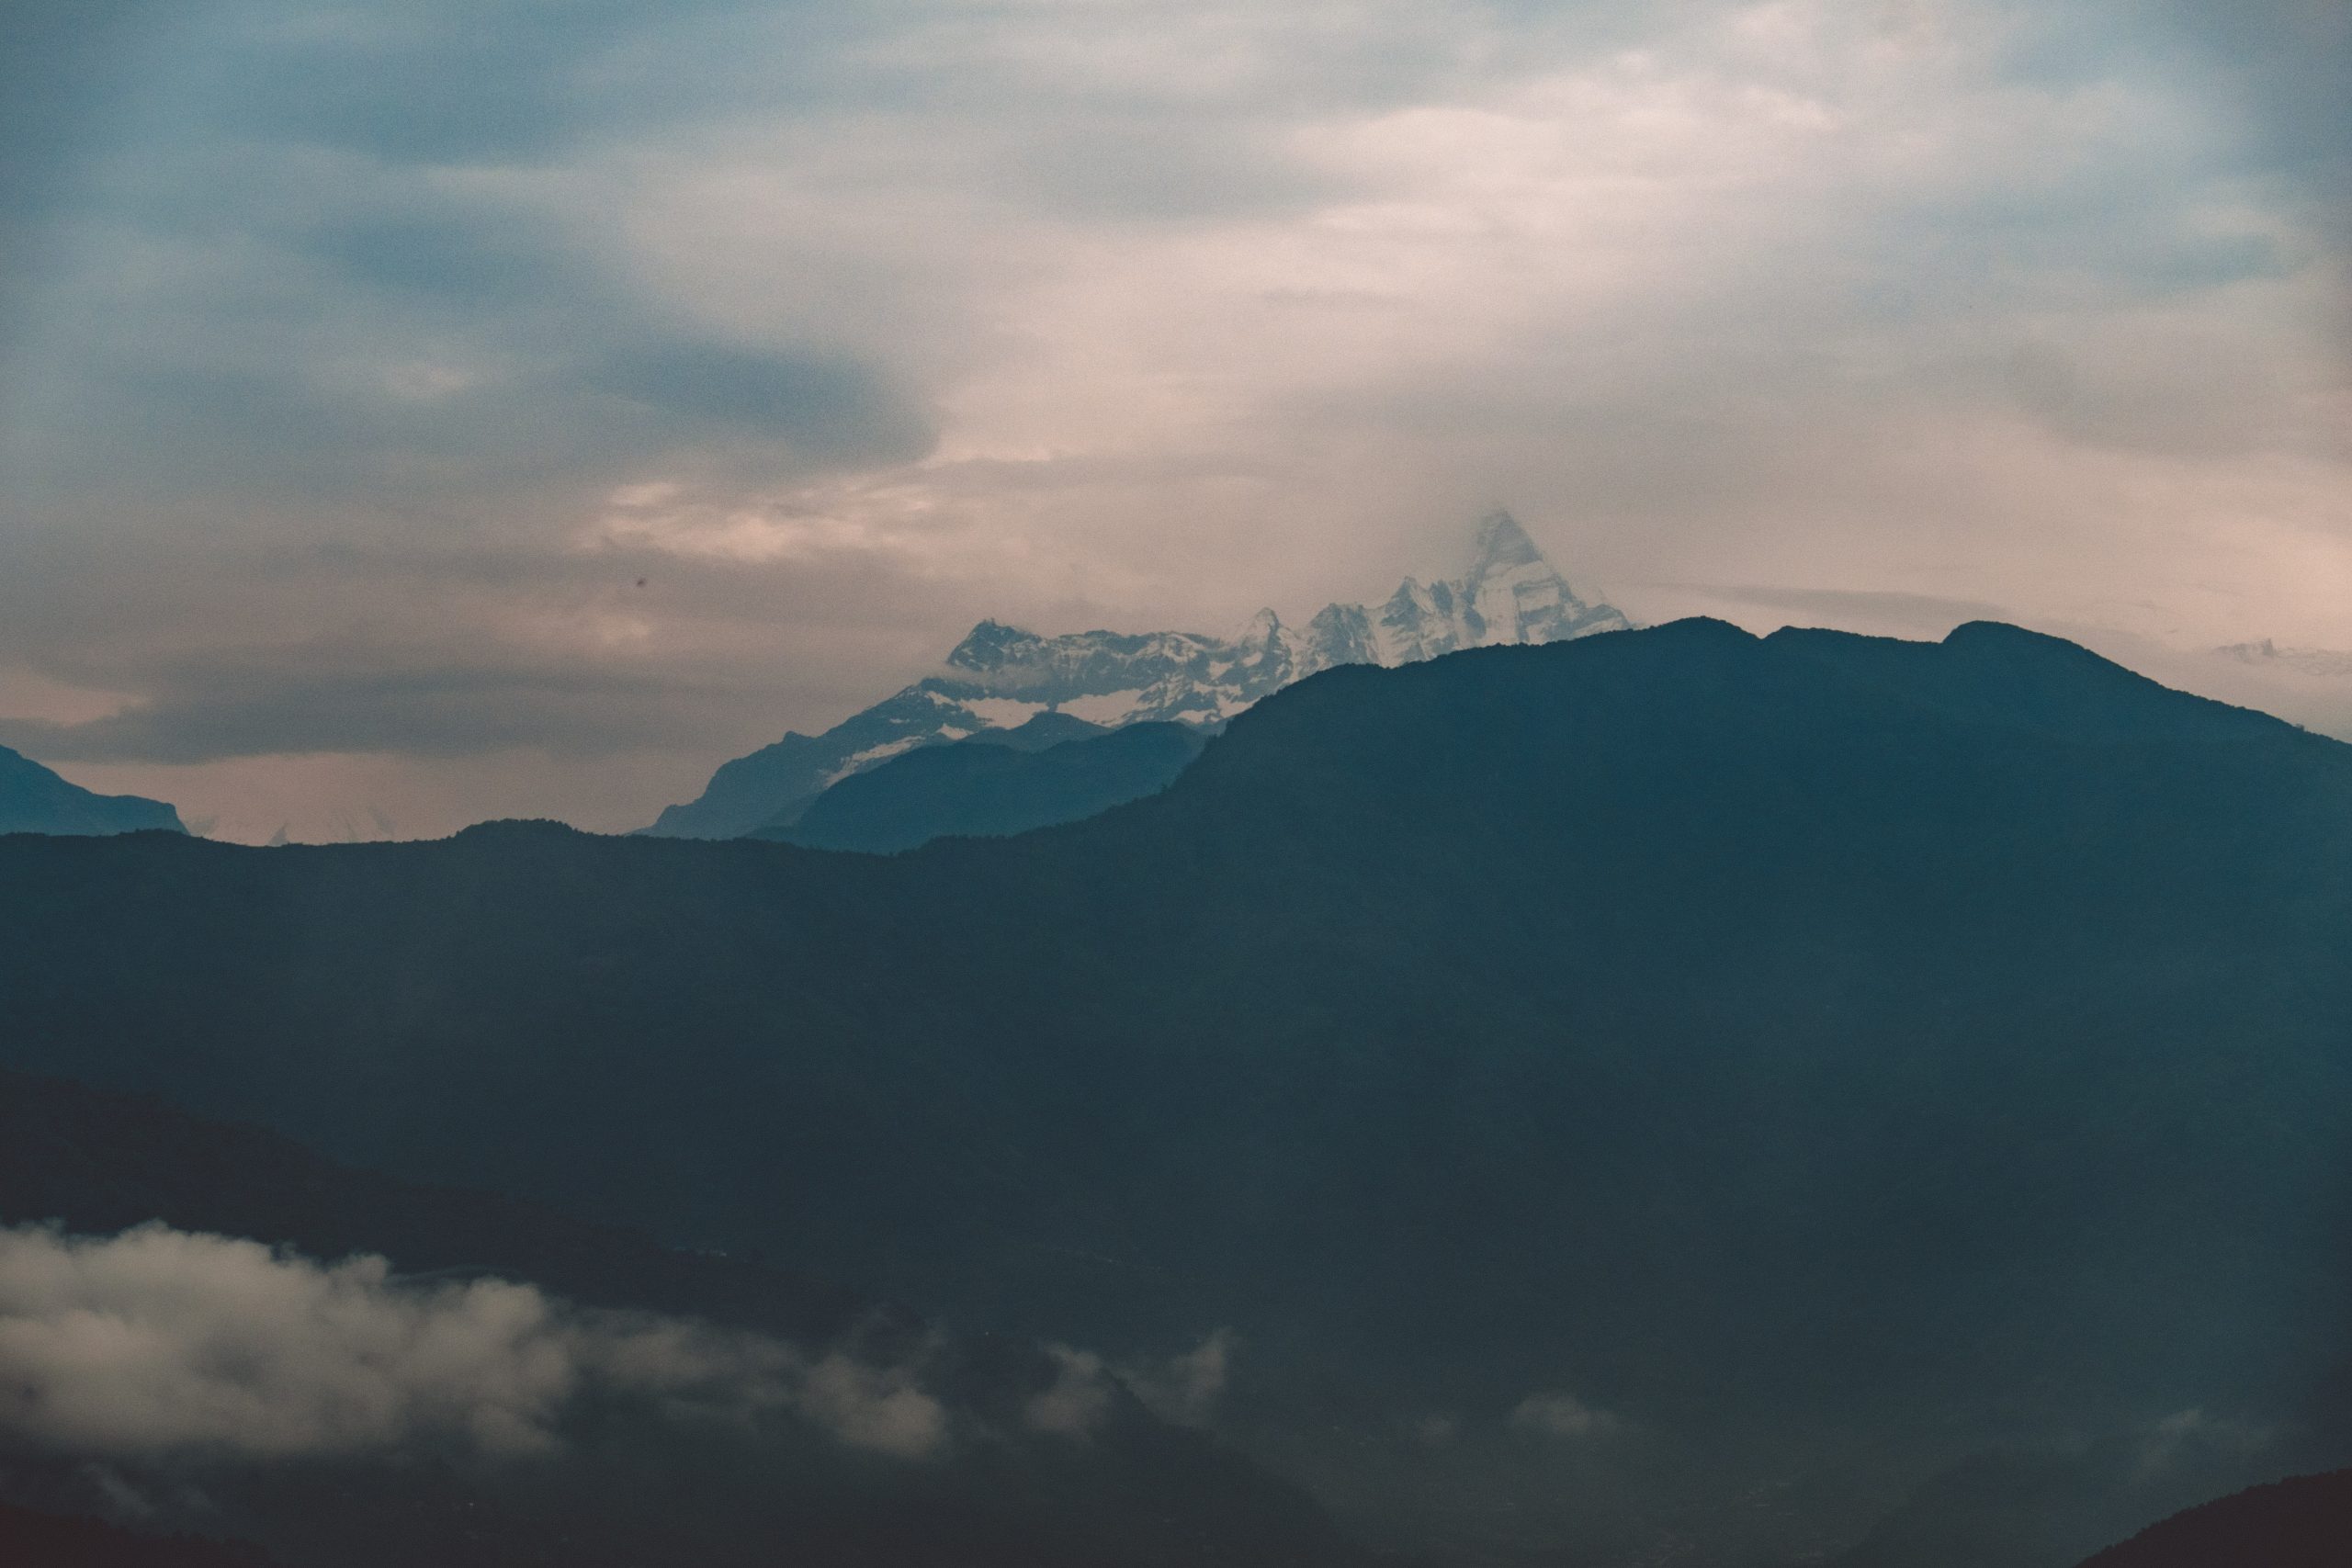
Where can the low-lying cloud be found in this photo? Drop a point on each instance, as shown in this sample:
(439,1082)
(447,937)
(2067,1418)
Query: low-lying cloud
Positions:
(1183,1389)
(157,1341)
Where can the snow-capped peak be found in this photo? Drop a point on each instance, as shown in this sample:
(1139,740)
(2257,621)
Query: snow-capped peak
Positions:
(1502,546)
(990,644)
(1000,675)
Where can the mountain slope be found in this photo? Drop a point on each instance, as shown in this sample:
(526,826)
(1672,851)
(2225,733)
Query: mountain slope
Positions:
(1755,1041)
(1000,675)
(978,789)
(2305,1522)
(35,800)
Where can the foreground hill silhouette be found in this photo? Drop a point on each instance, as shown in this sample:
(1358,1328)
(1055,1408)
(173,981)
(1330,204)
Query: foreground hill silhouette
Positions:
(1600,1085)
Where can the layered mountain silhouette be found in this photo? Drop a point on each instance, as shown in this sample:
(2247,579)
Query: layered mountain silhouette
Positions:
(35,800)
(1001,676)
(1609,1091)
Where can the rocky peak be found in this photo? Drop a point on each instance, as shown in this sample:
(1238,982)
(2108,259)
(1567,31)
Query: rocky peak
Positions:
(1502,546)
(991,645)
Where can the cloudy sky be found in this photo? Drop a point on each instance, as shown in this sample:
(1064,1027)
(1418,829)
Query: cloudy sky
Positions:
(414,410)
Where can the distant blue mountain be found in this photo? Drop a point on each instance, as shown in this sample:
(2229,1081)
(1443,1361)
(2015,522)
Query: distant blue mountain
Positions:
(35,800)
(993,785)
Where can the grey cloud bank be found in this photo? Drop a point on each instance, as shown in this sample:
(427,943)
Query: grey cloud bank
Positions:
(356,363)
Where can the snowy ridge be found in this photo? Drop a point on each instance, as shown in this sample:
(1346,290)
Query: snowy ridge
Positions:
(999,676)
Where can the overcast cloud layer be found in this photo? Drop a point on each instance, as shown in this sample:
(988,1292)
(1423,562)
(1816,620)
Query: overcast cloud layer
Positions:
(416,412)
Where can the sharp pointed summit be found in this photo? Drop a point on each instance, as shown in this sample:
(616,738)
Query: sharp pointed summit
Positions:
(987,645)
(1502,546)
(1510,594)
(1001,676)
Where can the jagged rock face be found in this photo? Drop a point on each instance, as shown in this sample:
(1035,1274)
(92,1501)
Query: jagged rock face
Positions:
(1001,676)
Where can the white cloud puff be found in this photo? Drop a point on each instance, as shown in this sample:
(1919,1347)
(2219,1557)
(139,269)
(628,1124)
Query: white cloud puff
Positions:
(159,1341)
(1183,1389)
(870,1407)
(1074,1404)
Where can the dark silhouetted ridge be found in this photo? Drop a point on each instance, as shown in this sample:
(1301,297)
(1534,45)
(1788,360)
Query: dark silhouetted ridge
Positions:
(2302,1523)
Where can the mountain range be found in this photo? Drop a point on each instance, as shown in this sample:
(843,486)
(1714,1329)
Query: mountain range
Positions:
(1000,676)
(1800,1099)
(35,800)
